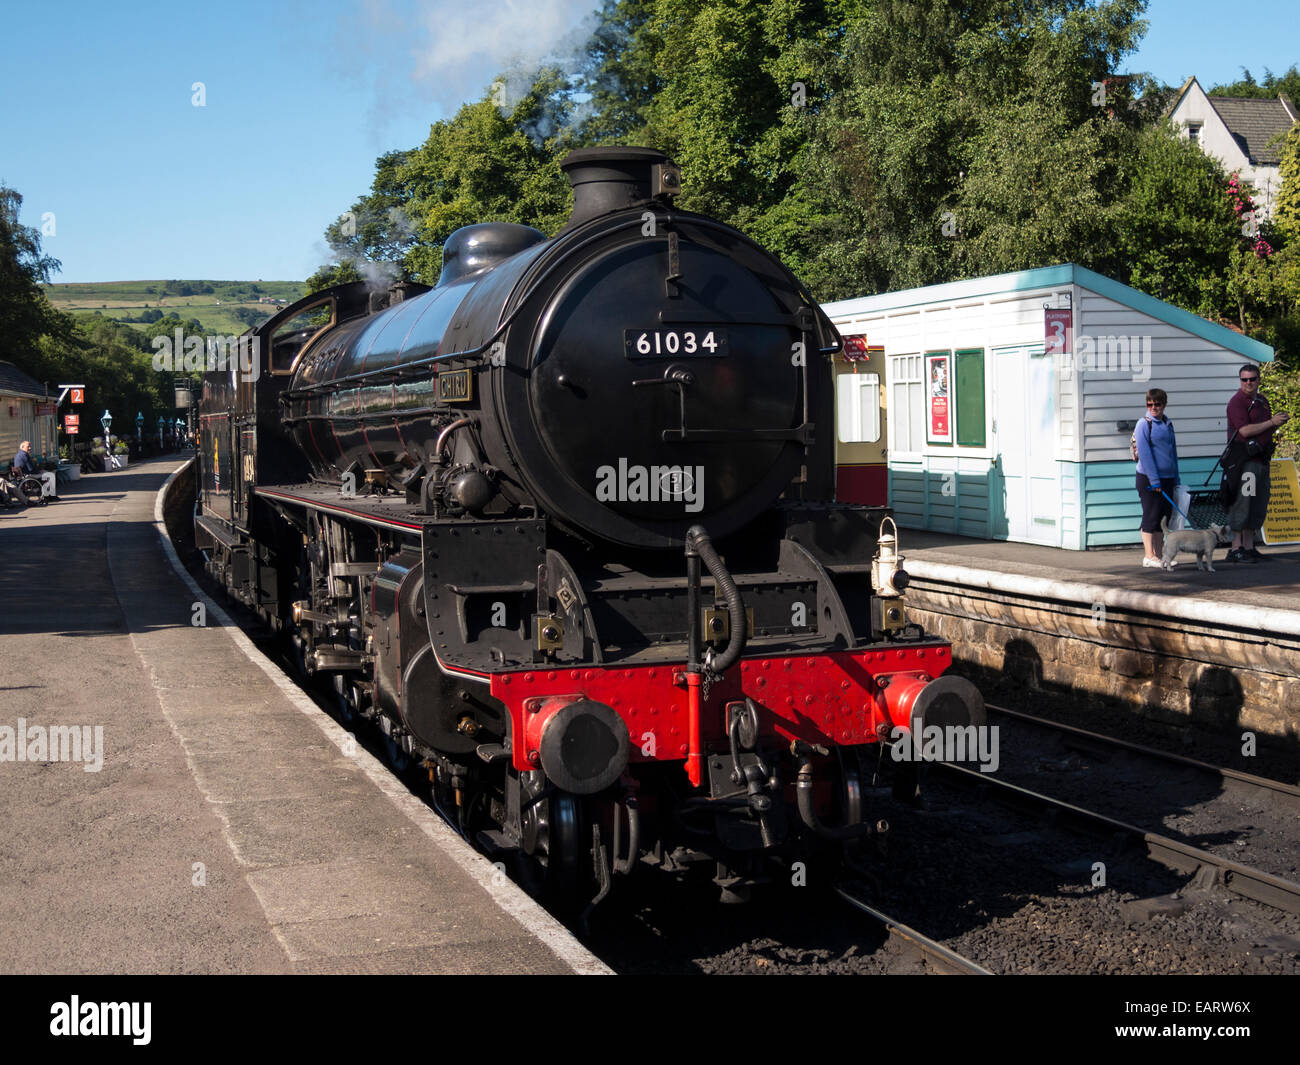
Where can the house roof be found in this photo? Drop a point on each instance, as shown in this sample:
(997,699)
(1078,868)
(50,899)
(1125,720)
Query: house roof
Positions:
(1048,277)
(1255,122)
(13,382)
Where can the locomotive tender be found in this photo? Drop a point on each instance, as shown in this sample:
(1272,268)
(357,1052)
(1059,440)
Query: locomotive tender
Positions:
(564,526)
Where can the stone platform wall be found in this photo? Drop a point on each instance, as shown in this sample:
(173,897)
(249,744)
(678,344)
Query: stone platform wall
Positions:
(1108,657)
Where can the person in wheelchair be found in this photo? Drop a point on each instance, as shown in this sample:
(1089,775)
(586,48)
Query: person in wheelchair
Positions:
(19,491)
(25,466)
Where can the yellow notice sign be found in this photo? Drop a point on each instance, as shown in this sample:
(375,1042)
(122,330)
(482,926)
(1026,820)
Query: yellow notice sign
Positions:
(1282,523)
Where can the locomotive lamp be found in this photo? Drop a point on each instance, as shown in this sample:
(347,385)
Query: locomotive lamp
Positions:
(887,574)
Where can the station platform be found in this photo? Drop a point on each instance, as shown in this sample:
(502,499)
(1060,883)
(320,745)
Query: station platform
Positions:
(1272,585)
(204,815)
(1218,649)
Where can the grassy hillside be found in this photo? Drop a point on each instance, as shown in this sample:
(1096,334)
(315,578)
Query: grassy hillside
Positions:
(221,306)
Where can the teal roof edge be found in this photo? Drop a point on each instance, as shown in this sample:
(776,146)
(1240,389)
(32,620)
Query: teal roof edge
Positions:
(1050,277)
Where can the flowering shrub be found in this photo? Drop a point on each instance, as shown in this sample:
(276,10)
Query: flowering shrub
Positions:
(1243,206)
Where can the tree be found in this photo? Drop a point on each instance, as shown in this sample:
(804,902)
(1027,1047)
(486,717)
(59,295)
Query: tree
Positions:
(1177,227)
(488,163)
(377,226)
(619,76)
(335,274)
(1288,83)
(1286,211)
(24,311)
(973,138)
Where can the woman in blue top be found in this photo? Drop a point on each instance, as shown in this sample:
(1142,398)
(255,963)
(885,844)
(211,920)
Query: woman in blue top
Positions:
(1157,473)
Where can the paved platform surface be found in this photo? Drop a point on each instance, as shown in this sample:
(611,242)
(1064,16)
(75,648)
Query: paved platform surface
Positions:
(230,825)
(1274,584)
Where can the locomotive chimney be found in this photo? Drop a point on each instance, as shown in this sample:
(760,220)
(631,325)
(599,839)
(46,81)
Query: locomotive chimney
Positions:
(611,179)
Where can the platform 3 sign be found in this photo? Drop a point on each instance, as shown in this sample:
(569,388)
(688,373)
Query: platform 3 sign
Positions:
(1282,523)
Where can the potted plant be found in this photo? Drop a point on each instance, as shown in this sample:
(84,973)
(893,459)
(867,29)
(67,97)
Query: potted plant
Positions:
(100,454)
(121,455)
(67,469)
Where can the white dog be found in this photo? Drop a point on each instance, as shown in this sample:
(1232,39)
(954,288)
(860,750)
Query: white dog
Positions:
(1200,541)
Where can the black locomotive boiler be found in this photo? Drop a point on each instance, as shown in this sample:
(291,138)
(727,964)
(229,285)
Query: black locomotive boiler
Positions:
(563,525)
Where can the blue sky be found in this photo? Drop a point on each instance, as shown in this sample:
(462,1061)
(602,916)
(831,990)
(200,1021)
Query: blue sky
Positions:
(98,127)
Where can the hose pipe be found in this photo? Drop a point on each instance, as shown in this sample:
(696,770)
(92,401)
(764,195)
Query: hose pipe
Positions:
(698,542)
(808,815)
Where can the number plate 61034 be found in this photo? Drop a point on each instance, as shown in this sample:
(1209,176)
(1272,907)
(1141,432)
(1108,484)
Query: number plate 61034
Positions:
(700,342)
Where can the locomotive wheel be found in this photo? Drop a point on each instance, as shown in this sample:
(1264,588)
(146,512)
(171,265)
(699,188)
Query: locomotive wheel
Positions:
(298,652)
(552,836)
(397,758)
(345,700)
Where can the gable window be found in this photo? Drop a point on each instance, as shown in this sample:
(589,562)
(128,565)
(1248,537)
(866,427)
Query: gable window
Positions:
(1194,132)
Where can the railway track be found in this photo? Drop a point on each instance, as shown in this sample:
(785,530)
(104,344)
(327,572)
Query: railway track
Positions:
(1238,818)
(933,954)
(1285,794)
(1243,880)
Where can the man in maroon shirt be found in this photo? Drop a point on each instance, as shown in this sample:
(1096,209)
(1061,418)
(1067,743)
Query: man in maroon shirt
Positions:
(1252,421)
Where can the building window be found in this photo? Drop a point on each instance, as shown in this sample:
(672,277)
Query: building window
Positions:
(1194,132)
(858,403)
(907,402)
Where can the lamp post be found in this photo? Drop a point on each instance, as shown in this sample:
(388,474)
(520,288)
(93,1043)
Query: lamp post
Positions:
(106,420)
(180,431)
(162,444)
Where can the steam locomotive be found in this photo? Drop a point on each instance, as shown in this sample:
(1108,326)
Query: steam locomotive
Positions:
(564,527)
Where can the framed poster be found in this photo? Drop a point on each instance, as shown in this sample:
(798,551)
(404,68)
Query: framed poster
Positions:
(938,395)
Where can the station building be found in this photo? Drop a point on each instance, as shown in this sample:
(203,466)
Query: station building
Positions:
(26,413)
(1011,400)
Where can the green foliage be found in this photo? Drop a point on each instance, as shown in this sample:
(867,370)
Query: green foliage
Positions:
(24,312)
(1177,229)
(872,145)
(1272,86)
(974,138)
(487,164)
(1280,385)
(336,274)
(737,83)
(115,362)
(1286,211)
(377,226)
(620,76)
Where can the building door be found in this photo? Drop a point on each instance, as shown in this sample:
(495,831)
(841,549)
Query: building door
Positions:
(1025,503)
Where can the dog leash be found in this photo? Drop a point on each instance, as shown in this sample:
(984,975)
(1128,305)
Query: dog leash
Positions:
(1177,507)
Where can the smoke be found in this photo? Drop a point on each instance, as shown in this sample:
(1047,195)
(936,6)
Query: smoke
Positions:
(378,275)
(467,47)
(411,53)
